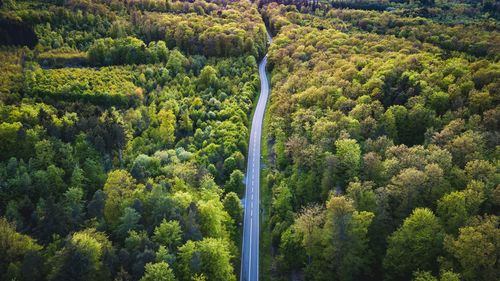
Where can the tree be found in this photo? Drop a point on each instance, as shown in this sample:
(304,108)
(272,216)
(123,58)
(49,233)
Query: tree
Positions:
(83,257)
(209,257)
(481,170)
(308,224)
(176,62)
(423,276)
(78,178)
(95,208)
(453,211)
(466,147)
(476,249)
(166,131)
(50,220)
(363,196)
(208,78)
(456,208)
(159,271)
(55,176)
(232,205)
(281,210)
(414,246)
(145,167)
(444,276)
(119,189)
(73,205)
(290,251)
(213,218)
(372,167)
(427,2)
(406,191)
(235,183)
(346,239)
(348,155)
(14,247)
(45,154)
(128,221)
(169,234)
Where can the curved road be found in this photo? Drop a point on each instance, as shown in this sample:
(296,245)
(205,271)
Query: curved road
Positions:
(251,226)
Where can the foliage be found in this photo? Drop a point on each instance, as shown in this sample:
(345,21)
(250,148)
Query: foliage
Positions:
(414,246)
(158,271)
(14,248)
(117,150)
(389,103)
(124,130)
(209,258)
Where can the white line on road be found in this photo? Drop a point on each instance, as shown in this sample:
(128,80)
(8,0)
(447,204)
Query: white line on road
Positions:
(254,151)
(250,254)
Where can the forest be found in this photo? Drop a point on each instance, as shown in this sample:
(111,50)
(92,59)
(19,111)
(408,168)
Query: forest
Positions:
(123,138)
(124,130)
(384,160)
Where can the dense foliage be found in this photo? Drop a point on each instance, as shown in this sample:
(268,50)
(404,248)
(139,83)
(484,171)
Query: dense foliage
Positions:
(124,130)
(122,152)
(392,120)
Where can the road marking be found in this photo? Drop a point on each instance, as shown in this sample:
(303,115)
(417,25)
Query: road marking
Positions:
(250,254)
(255,137)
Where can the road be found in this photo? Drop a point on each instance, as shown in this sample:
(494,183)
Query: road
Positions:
(251,226)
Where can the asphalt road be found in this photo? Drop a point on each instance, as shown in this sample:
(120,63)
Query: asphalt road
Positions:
(251,226)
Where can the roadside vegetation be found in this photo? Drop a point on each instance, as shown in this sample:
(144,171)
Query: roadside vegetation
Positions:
(123,138)
(124,128)
(385,136)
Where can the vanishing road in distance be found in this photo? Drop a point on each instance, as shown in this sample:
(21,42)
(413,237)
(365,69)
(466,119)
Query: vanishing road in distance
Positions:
(251,226)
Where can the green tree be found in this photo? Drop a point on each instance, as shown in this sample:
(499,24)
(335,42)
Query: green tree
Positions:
(145,167)
(281,210)
(176,61)
(235,183)
(363,196)
(291,255)
(209,257)
(166,131)
(476,249)
(233,207)
(309,224)
(345,235)
(73,205)
(8,138)
(14,247)
(406,191)
(213,218)
(168,233)
(423,276)
(55,176)
(128,221)
(414,246)
(427,276)
(456,208)
(78,179)
(348,154)
(159,271)
(208,78)
(83,257)
(119,189)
